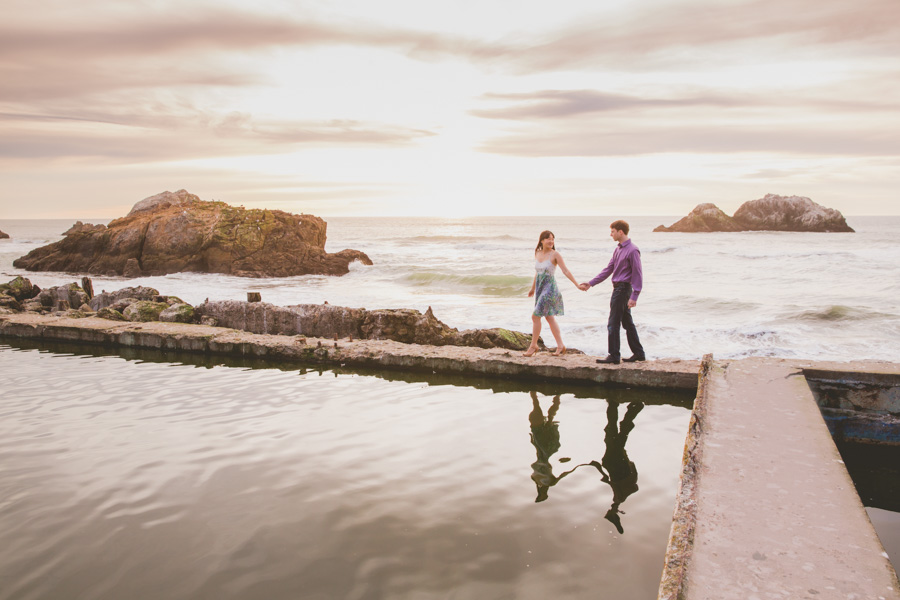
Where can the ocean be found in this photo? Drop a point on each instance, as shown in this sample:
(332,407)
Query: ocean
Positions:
(823,296)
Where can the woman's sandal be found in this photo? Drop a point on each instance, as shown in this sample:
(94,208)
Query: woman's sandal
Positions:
(530,352)
(560,351)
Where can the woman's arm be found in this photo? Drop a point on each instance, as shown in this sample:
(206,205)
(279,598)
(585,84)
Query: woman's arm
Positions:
(533,283)
(562,265)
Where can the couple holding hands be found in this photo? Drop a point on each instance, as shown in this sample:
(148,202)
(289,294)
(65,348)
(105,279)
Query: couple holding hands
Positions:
(627,278)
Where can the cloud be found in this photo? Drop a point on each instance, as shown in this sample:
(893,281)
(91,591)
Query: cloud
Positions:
(631,140)
(143,137)
(200,48)
(548,104)
(686,33)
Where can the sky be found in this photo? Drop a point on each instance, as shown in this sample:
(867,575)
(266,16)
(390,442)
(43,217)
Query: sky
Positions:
(449,108)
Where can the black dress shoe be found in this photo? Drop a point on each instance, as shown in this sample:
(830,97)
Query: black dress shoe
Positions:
(609,360)
(635,359)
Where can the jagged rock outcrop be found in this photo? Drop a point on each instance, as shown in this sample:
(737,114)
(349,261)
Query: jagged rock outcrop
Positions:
(3,235)
(770,213)
(789,213)
(176,232)
(324,320)
(80,227)
(704,217)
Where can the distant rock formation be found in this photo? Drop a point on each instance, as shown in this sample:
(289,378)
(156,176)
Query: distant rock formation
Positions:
(704,217)
(3,235)
(789,213)
(177,232)
(770,213)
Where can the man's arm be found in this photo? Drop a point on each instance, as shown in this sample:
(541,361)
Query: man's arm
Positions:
(637,278)
(602,275)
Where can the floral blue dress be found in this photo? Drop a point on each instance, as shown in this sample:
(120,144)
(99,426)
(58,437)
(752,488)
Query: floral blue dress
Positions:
(548,301)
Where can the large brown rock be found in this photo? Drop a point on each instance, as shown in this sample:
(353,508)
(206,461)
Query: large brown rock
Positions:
(704,218)
(176,232)
(789,213)
(3,235)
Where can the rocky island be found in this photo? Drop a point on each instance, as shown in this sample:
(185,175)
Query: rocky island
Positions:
(770,213)
(176,232)
(3,235)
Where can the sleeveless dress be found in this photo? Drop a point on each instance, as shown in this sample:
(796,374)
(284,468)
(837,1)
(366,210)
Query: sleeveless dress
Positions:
(548,301)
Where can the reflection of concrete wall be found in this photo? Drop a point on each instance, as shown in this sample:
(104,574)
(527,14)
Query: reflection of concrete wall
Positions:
(858,406)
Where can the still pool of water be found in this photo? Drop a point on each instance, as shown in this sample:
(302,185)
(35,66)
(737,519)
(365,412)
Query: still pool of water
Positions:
(147,477)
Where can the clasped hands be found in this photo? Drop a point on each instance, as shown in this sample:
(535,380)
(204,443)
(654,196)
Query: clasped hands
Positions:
(586,286)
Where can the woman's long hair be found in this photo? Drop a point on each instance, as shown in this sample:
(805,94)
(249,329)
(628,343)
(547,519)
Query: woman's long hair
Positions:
(544,236)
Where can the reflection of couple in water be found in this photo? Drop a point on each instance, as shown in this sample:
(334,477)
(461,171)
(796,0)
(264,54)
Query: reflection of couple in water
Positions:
(615,468)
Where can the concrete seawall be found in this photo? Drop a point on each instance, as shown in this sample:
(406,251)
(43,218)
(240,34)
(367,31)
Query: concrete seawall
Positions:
(462,360)
(765,509)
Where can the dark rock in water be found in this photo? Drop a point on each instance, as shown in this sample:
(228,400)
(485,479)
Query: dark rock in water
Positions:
(789,213)
(704,218)
(177,232)
(80,227)
(328,321)
(3,235)
(771,213)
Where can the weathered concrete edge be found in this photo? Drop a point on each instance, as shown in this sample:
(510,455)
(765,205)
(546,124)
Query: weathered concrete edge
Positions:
(684,519)
(359,353)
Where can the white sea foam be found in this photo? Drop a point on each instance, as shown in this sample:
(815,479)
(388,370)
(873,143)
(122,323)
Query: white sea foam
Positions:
(827,296)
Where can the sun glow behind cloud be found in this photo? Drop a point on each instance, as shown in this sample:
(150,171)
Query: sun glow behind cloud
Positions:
(450,108)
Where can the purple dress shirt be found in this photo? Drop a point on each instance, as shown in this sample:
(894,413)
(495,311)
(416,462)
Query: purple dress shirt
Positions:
(625,265)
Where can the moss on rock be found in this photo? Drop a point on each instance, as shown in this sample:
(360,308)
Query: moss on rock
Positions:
(144,311)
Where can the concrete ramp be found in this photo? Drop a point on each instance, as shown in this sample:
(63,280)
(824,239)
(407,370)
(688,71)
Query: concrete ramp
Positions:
(767,508)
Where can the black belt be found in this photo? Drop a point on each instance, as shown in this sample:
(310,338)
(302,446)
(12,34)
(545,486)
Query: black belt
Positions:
(621,283)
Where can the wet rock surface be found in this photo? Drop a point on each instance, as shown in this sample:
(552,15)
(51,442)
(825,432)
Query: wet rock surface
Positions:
(770,213)
(177,232)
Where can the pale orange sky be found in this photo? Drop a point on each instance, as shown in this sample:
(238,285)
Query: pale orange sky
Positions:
(639,107)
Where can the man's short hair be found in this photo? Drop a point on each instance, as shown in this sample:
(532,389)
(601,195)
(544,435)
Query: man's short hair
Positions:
(620,225)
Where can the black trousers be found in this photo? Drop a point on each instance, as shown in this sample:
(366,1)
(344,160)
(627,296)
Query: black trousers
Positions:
(620,316)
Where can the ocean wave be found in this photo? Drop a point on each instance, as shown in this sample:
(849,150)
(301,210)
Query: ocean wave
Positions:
(489,285)
(838,312)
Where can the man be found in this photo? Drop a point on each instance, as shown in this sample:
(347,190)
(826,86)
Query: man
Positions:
(627,279)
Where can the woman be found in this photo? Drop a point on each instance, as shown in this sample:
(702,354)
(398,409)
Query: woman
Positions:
(548,301)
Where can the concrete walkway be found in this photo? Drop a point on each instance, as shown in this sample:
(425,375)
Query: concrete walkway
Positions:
(767,508)
(379,354)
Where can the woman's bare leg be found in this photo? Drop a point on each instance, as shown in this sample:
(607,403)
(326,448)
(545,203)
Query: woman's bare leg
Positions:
(535,334)
(554,329)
